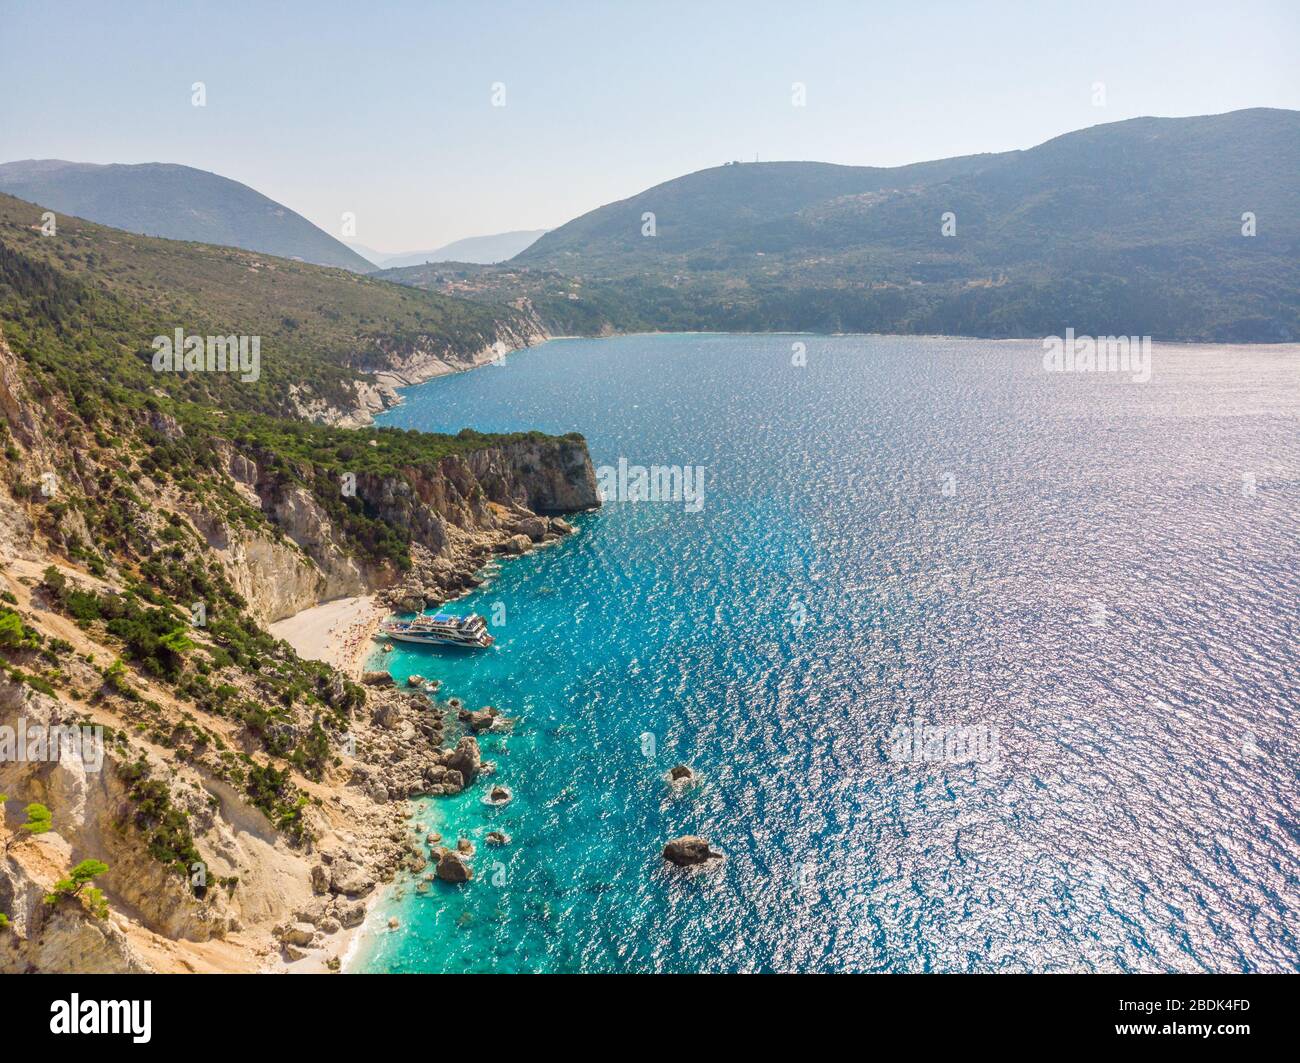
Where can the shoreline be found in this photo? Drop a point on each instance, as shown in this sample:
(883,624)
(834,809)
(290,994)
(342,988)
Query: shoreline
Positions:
(375,924)
(340,632)
(385,386)
(343,945)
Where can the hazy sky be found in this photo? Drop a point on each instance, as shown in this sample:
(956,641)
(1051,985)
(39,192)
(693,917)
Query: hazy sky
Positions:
(385,108)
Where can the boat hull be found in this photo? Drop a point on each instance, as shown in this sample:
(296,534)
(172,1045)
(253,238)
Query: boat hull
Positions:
(425,640)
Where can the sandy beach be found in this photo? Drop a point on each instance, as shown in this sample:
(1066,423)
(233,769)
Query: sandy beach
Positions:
(337,632)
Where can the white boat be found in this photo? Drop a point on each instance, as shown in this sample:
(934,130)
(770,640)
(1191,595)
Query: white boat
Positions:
(441,629)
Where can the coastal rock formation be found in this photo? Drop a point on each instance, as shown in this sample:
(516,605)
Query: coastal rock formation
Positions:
(453,867)
(483,720)
(495,499)
(689,850)
(466,760)
(404,361)
(500,498)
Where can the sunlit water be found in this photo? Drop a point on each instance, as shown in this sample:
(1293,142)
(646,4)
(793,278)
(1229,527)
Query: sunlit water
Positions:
(1104,574)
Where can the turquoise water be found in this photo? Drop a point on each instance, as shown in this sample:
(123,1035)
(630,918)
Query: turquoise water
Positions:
(902,530)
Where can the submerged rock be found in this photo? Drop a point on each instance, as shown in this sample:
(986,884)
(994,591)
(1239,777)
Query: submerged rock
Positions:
(689,850)
(497,837)
(479,721)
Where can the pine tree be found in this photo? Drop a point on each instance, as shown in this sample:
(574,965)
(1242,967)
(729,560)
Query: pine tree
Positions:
(79,879)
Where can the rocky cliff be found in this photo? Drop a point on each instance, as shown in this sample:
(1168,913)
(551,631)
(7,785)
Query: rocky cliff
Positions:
(498,499)
(283,785)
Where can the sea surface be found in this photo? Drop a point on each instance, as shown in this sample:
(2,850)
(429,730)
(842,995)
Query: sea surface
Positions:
(1086,588)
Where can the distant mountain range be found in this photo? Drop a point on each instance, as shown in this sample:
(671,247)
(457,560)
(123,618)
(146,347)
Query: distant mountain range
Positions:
(1135,227)
(176,202)
(480,250)
(1140,227)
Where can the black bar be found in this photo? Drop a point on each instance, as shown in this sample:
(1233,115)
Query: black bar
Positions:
(933,1011)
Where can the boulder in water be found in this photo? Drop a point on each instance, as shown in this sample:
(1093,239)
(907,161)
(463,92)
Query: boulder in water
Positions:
(478,721)
(689,850)
(452,867)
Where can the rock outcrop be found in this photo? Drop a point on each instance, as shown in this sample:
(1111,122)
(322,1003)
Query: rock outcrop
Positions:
(501,498)
(689,850)
(453,867)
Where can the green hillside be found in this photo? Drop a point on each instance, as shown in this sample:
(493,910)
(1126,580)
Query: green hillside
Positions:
(1133,227)
(90,300)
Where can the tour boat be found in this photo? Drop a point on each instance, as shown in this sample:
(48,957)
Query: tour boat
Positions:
(441,629)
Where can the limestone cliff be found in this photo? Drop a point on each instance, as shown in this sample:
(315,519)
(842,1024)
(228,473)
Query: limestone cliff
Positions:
(497,499)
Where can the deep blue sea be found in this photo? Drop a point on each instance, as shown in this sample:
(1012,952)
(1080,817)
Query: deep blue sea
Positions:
(1097,578)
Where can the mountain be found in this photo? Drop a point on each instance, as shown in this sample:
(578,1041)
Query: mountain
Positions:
(1131,228)
(480,250)
(176,202)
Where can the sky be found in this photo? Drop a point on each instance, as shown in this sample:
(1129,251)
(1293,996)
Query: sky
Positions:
(385,110)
